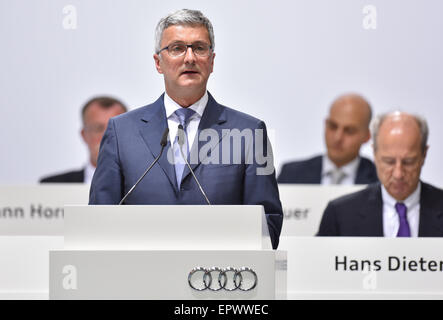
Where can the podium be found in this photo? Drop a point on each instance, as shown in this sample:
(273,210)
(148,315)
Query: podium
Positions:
(167,252)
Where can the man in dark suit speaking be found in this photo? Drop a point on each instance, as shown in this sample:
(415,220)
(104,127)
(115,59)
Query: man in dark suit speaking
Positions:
(200,130)
(346,129)
(402,205)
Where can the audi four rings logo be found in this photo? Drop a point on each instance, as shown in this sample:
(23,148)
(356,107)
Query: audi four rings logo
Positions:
(216,278)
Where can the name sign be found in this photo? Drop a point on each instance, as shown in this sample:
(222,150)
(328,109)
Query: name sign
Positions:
(37,209)
(366,267)
(303,206)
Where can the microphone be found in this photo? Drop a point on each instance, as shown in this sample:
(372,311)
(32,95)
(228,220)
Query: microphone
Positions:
(181,140)
(163,143)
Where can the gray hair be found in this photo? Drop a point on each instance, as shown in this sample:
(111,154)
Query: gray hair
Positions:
(183,17)
(421,122)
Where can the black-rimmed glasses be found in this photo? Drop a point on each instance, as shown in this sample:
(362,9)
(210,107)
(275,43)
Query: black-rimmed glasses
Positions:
(178,49)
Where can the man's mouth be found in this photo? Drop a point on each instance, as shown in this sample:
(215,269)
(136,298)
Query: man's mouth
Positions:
(338,148)
(398,184)
(189,72)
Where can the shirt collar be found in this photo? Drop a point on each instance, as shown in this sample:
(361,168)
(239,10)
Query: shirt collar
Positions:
(410,202)
(89,172)
(171,106)
(349,169)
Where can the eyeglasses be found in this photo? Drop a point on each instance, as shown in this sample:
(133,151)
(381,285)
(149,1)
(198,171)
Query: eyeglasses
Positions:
(177,49)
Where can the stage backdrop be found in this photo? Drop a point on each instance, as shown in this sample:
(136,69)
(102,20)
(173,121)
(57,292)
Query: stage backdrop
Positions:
(281,61)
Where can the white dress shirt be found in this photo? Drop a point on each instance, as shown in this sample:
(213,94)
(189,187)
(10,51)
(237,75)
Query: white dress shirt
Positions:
(391,220)
(89,173)
(349,169)
(191,130)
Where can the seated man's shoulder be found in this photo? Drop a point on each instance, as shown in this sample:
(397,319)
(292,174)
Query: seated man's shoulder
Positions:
(306,171)
(358,198)
(366,173)
(313,161)
(367,162)
(65,177)
(429,190)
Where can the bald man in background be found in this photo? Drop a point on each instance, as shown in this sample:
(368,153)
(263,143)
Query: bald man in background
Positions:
(346,129)
(401,205)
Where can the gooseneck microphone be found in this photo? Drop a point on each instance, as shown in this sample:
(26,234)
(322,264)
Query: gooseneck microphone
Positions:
(181,140)
(163,143)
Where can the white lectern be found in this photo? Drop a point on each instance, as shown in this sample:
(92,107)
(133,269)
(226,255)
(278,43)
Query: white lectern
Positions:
(167,252)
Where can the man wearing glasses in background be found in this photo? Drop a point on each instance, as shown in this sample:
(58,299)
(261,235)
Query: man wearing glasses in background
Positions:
(184,54)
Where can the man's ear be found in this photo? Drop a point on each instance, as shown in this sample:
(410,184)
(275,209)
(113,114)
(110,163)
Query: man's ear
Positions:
(83,134)
(212,62)
(425,153)
(157,60)
(367,137)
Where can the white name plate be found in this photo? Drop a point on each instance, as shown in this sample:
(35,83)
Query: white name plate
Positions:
(364,268)
(37,209)
(303,206)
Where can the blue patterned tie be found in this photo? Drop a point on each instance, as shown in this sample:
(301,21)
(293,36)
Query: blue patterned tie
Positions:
(183,114)
(403,230)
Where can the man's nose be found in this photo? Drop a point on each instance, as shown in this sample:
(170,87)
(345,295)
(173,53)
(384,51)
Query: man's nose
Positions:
(338,135)
(398,170)
(189,55)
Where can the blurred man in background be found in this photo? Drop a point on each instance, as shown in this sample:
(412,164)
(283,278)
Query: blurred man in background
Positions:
(95,116)
(346,129)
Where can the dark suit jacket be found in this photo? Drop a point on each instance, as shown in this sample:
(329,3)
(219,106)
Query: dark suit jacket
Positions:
(132,140)
(309,172)
(360,214)
(67,177)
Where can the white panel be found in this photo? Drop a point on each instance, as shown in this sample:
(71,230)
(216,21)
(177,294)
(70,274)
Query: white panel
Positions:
(24,266)
(166,227)
(303,206)
(160,274)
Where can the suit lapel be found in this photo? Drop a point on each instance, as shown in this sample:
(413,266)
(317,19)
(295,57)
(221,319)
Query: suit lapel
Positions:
(430,216)
(213,117)
(372,213)
(152,125)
